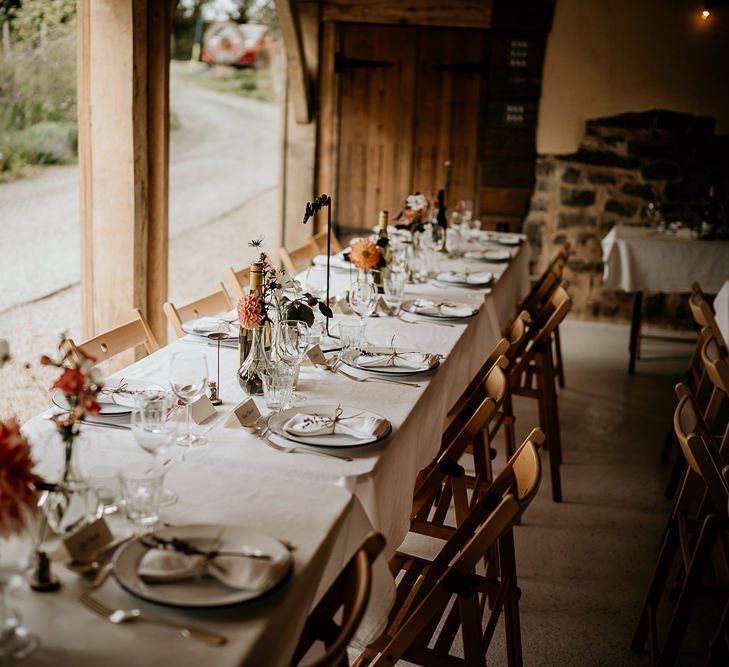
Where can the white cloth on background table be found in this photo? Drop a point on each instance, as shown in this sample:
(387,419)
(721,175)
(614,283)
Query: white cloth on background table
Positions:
(638,259)
(382,476)
(721,310)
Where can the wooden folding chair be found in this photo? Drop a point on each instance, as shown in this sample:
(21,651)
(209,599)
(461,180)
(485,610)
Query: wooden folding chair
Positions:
(212,304)
(321,242)
(445,479)
(703,314)
(693,535)
(349,592)
(300,258)
(238,281)
(423,625)
(533,376)
(110,343)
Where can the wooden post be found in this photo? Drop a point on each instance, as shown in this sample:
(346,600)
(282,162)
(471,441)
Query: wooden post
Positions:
(123,60)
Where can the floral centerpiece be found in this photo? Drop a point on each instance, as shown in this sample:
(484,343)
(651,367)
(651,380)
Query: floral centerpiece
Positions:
(275,297)
(80,383)
(415,213)
(365,255)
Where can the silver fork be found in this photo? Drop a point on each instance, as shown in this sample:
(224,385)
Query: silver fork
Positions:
(371,379)
(289,450)
(440,324)
(119,616)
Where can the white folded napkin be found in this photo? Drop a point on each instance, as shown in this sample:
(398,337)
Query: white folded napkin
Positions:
(159,566)
(461,277)
(337,261)
(361,428)
(417,361)
(488,255)
(443,309)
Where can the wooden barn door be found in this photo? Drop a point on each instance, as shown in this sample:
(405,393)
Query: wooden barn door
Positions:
(408,99)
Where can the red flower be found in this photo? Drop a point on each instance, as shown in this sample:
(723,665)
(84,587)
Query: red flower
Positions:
(90,405)
(16,478)
(71,382)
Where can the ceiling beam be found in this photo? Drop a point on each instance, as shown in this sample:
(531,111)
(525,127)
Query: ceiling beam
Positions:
(295,64)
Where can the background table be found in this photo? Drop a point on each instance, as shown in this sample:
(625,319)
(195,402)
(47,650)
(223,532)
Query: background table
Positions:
(639,259)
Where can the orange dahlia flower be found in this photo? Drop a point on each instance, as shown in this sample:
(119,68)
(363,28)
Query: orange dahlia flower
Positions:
(364,254)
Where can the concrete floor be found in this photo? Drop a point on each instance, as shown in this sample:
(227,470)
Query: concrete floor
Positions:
(584,565)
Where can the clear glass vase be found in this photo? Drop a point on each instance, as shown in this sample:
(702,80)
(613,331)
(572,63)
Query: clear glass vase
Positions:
(257,361)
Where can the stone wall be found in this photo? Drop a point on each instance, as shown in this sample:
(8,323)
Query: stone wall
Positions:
(623,163)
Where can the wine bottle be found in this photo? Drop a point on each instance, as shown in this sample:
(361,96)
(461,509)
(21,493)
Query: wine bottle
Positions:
(255,286)
(383,245)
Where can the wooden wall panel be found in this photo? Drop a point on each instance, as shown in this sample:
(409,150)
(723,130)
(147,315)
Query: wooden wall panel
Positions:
(451,13)
(446,109)
(376,123)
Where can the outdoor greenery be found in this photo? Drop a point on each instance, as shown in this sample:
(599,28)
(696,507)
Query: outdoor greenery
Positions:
(254,83)
(37,85)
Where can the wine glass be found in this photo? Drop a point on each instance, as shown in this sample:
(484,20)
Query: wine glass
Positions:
(188,379)
(154,431)
(294,340)
(315,281)
(363,299)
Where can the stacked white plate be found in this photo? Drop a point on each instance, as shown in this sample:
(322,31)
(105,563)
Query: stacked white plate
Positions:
(464,279)
(446,309)
(388,361)
(494,255)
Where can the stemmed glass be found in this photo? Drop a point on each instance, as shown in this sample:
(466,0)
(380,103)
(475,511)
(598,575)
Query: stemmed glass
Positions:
(363,299)
(154,431)
(188,379)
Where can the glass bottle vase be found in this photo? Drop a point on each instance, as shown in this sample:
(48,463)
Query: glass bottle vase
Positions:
(257,361)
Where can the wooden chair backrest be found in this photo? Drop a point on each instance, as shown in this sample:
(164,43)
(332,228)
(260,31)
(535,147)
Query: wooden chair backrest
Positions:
(687,419)
(300,258)
(110,343)
(350,592)
(560,304)
(715,361)
(547,281)
(321,242)
(518,335)
(703,313)
(207,306)
(710,465)
(238,281)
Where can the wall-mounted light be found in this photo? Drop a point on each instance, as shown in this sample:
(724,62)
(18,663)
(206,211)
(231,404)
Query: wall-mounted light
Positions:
(708,10)
(705,14)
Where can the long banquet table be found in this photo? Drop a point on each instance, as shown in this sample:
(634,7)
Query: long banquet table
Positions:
(246,472)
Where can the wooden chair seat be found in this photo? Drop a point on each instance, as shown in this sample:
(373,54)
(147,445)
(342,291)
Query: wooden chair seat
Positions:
(321,242)
(207,306)
(238,281)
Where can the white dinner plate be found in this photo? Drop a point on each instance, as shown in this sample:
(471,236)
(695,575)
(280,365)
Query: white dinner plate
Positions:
(337,262)
(463,279)
(386,370)
(409,307)
(224,325)
(508,239)
(277,421)
(205,591)
(113,404)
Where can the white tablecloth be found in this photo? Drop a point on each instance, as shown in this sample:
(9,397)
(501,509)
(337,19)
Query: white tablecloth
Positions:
(638,259)
(382,477)
(324,522)
(721,310)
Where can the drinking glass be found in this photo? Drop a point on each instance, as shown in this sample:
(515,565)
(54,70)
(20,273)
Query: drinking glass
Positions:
(154,431)
(351,337)
(104,482)
(294,339)
(315,281)
(189,379)
(278,385)
(141,487)
(363,299)
(394,286)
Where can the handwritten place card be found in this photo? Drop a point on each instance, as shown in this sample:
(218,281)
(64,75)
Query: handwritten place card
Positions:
(83,543)
(316,356)
(343,306)
(245,414)
(202,410)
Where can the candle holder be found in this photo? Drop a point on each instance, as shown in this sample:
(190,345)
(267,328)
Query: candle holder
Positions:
(214,385)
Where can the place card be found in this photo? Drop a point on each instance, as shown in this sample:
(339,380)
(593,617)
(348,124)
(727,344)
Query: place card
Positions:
(245,414)
(316,356)
(83,543)
(202,410)
(343,305)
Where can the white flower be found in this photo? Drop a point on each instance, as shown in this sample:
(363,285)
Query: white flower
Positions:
(4,352)
(417,202)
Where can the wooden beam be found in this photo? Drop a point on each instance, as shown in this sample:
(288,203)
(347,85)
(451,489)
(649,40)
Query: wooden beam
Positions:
(443,13)
(123,110)
(295,64)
